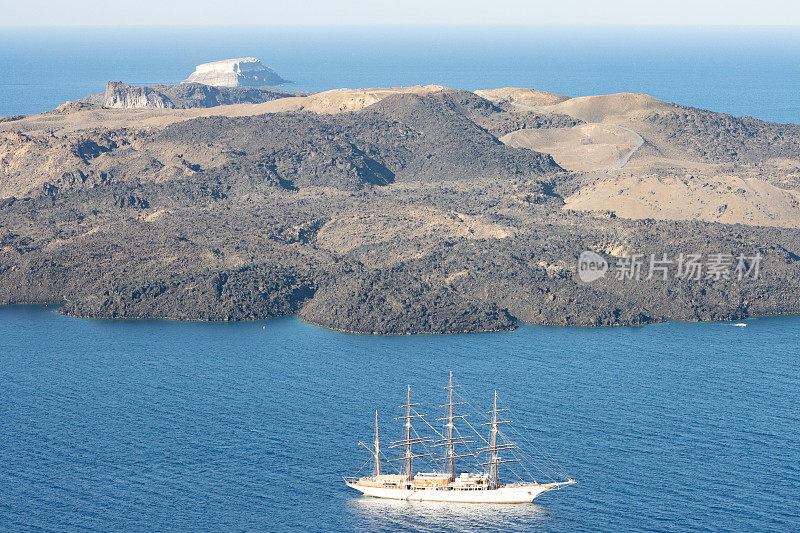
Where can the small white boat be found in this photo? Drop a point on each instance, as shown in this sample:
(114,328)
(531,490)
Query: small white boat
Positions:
(445,486)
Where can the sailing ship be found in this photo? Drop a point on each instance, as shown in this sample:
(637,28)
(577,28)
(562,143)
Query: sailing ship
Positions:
(442,484)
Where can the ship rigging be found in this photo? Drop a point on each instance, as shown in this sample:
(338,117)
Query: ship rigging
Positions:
(442,483)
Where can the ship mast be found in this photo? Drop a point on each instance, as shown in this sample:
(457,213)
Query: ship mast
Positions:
(494,447)
(408,441)
(450,447)
(377,447)
(450,441)
(493,444)
(409,454)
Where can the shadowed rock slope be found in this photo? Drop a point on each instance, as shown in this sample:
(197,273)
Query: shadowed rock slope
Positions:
(404,216)
(119,95)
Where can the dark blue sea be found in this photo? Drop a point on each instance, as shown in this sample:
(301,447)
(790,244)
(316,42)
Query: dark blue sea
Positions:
(168,426)
(742,71)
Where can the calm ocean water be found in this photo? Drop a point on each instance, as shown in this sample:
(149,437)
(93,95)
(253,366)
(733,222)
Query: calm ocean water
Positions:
(743,71)
(159,426)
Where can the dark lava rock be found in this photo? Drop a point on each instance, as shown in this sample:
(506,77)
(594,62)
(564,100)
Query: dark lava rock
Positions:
(408,216)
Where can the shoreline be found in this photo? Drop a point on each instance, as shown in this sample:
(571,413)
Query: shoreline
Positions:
(55,307)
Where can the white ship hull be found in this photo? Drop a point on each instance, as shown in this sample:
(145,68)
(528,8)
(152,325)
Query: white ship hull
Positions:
(508,494)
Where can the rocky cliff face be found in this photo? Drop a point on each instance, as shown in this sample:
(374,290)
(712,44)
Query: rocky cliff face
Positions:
(119,95)
(239,72)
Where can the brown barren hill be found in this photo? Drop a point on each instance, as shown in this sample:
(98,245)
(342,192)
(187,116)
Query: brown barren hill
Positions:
(606,107)
(520,96)
(586,147)
(328,102)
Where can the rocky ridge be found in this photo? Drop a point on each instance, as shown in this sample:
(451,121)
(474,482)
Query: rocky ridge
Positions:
(119,95)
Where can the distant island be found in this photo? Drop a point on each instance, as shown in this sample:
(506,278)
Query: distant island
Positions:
(239,72)
(231,81)
(401,210)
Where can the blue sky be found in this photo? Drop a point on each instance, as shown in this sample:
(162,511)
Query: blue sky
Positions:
(332,12)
